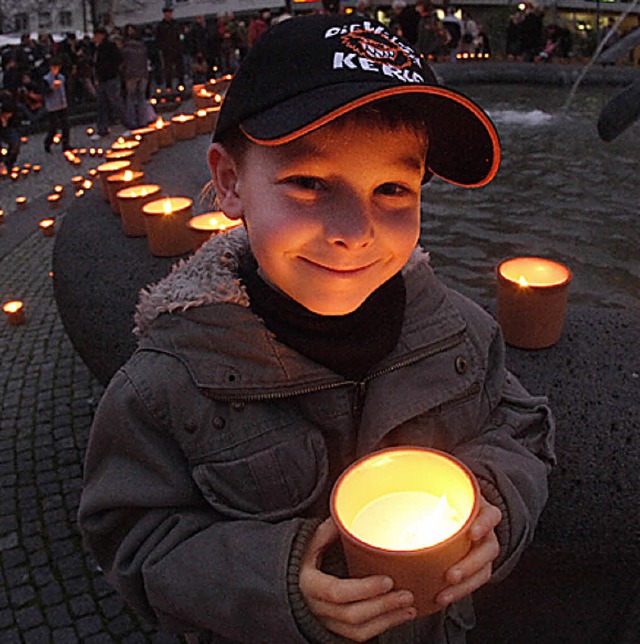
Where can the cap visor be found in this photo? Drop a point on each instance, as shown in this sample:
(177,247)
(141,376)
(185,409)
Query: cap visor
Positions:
(464,148)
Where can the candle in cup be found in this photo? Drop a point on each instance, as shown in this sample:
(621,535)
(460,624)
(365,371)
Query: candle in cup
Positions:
(54,200)
(210,223)
(48,227)
(166,225)
(130,202)
(120,180)
(184,126)
(165,132)
(58,188)
(77,179)
(14,311)
(531,301)
(406,512)
(21,202)
(108,168)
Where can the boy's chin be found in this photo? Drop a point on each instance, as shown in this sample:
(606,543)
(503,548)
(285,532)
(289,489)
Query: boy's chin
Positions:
(333,307)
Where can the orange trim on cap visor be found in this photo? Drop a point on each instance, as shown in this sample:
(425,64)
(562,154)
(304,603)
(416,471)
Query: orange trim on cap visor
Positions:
(394,91)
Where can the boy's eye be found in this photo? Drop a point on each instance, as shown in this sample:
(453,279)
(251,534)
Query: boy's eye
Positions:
(306,183)
(391,190)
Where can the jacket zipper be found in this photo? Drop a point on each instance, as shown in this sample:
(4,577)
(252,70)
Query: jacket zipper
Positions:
(439,347)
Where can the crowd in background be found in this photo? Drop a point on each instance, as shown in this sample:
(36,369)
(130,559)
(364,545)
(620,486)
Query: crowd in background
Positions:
(118,68)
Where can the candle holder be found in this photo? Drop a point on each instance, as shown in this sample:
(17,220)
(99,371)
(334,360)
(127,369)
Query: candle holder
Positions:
(406,512)
(14,311)
(166,225)
(184,126)
(130,202)
(204,121)
(119,180)
(108,168)
(165,132)
(150,141)
(204,226)
(54,200)
(21,202)
(531,301)
(125,155)
(47,226)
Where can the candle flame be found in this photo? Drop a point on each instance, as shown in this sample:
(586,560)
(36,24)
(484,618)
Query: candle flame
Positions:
(128,175)
(159,123)
(166,206)
(46,223)
(523,281)
(13,306)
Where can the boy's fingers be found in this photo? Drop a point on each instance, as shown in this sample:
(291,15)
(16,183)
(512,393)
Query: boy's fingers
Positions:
(464,588)
(482,554)
(488,518)
(329,589)
(364,632)
(361,612)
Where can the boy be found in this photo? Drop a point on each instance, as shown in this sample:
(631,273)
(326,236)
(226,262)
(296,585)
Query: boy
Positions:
(315,334)
(55,102)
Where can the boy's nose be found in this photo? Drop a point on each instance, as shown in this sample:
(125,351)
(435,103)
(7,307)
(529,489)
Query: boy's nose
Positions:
(350,224)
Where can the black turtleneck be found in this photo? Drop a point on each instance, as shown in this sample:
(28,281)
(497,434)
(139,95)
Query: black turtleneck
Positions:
(351,344)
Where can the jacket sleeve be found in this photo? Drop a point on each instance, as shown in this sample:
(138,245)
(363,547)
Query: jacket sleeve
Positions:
(511,456)
(172,557)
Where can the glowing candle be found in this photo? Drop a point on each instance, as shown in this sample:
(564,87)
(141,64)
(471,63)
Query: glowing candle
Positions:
(406,512)
(77,179)
(149,141)
(130,202)
(120,180)
(90,131)
(165,132)
(58,188)
(87,184)
(21,202)
(47,226)
(54,200)
(108,168)
(36,168)
(531,301)
(184,126)
(210,223)
(166,225)
(1,215)
(14,311)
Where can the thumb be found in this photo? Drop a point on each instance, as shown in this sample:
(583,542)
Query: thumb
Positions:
(326,533)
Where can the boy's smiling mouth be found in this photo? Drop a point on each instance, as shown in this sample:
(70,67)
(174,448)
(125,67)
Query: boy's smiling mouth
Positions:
(340,270)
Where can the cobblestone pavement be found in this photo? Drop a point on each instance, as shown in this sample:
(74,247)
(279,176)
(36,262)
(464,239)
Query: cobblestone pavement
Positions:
(50,590)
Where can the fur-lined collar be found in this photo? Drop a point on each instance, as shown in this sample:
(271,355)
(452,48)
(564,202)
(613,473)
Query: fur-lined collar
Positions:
(207,277)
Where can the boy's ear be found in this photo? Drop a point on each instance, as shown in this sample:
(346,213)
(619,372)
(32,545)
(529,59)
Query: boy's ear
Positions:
(224,174)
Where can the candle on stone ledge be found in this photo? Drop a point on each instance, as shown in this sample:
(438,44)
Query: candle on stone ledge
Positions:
(166,225)
(406,512)
(119,180)
(184,126)
(531,301)
(130,202)
(108,168)
(14,310)
(210,223)
(47,226)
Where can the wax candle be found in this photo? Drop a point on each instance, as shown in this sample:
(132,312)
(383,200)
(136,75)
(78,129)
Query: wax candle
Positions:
(406,512)
(204,122)
(130,202)
(531,301)
(149,141)
(54,200)
(184,126)
(21,202)
(77,179)
(119,180)
(165,132)
(14,311)
(166,225)
(47,226)
(210,223)
(108,168)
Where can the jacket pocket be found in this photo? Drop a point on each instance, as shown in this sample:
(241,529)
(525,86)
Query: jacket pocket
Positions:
(272,484)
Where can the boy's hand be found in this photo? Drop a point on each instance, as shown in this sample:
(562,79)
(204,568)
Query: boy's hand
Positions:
(475,569)
(358,609)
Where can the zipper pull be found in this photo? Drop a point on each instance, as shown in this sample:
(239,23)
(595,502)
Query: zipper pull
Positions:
(358,400)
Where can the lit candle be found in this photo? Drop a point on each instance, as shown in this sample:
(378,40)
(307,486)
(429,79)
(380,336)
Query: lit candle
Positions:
(56,138)
(204,122)
(184,126)
(77,179)
(165,132)
(108,168)
(24,172)
(120,180)
(54,200)
(210,223)
(87,184)
(48,227)
(149,141)
(90,131)
(130,202)
(14,311)
(406,512)
(166,225)
(21,202)
(58,188)
(531,301)
(36,168)
(1,215)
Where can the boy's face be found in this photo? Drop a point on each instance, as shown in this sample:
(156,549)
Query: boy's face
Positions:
(55,69)
(335,214)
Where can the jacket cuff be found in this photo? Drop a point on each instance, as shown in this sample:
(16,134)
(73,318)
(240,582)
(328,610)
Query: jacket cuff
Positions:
(309,626)
(503,529)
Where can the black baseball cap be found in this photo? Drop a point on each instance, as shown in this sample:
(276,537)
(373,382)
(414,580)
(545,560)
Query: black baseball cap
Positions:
(307,71)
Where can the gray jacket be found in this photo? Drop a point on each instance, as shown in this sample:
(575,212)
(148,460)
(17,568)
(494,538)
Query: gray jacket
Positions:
(215,447)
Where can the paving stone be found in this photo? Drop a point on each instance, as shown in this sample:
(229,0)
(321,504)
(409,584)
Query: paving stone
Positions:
(21,595)
(58,615)
(38,635)
(29,617)
(88,625)
(65,635)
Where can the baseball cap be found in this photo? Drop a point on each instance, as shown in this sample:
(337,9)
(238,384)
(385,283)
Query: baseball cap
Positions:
(307,71)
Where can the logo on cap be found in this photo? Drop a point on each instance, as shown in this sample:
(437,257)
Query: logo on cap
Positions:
(377,47)
(370,48)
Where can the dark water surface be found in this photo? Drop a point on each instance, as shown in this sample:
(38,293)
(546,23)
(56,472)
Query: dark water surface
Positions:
(560,193)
